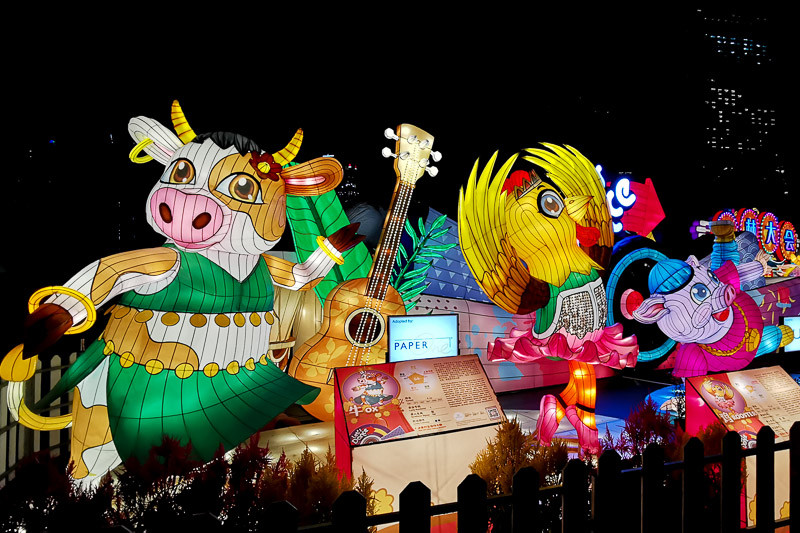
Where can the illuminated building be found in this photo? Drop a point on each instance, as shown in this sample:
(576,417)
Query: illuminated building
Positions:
(737,65)
(348,190)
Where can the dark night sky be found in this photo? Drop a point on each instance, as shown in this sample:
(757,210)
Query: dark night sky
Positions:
(614,84)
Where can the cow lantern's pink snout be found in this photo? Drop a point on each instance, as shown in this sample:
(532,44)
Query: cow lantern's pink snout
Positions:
(187,219)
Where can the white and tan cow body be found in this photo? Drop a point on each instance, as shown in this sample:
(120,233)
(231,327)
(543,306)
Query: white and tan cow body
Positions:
(197,312)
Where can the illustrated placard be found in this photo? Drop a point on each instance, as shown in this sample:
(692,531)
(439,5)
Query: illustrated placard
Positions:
(415,398)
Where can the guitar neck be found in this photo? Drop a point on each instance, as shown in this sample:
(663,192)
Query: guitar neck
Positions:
(411,154)
(383,263)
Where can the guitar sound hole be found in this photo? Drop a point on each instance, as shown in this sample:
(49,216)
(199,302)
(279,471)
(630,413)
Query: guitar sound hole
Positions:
(365,328)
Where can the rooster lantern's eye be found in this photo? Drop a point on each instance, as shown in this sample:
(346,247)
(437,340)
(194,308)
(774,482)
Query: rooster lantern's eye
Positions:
(242,187)
(550,204)
(182,173)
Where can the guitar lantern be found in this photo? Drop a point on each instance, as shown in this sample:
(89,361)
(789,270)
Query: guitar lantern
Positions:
(353,330)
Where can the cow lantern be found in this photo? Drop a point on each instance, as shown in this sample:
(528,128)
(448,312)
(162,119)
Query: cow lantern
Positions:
(185,353)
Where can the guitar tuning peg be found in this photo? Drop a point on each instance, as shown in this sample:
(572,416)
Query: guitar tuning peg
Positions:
(412,139)
(436,156)
(387,152)
(424,144)
(403,155)
(432,171)
(390,134)
(423,163)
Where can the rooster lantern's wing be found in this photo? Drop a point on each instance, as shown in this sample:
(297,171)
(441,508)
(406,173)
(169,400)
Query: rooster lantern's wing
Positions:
(481,231)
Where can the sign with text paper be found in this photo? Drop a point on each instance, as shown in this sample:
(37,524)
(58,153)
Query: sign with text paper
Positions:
(415,398)
(422,337)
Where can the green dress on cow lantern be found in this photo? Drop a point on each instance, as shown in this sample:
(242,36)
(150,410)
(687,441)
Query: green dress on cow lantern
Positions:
(208,411)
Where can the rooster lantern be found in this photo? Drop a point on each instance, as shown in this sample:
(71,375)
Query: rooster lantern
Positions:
(186,351)
(537,246)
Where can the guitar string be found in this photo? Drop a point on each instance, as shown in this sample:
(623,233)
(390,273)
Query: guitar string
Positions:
(402,205)
(382,282)
(385,280)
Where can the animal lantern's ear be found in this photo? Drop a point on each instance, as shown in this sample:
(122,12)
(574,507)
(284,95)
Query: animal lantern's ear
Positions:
(692,260)
(158,142)
(312,178)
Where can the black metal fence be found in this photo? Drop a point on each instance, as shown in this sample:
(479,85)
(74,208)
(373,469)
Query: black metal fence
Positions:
(17,441)
(606,499)
(658,496)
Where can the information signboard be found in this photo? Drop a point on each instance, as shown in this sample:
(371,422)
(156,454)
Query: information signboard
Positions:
(745,401)
(420,420)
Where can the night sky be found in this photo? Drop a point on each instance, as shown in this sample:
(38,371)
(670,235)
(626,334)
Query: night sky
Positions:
(619,86)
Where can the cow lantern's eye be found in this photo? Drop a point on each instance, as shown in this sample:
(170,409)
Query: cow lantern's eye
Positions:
(241,187)
(550,204)
(700,292)
(182,172)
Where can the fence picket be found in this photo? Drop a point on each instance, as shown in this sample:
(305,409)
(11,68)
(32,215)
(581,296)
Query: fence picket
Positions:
(765,479)
(473,516)
(525,501)
(415,508)
(794,475)
(349,513)
(652,488)
(575,499)
(693,482)
(607,491)
(731,481)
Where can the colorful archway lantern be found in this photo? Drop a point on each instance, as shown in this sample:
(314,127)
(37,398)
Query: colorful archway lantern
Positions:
(727,214)
(748,221)
(768,232)
(775,237)
(787,241)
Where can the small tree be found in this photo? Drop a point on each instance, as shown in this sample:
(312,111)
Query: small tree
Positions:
(512,449)
(644,425)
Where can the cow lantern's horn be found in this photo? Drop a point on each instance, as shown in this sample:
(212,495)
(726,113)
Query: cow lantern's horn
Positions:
(181,125)
(285,156)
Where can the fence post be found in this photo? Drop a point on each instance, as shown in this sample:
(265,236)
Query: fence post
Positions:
(731,481)
(473,516)
(415,508)
(349,513)
(794,475)
(693,498)
(283,517)
(575,506)
(765,480)
(608,492)
(525,501)
(652,487)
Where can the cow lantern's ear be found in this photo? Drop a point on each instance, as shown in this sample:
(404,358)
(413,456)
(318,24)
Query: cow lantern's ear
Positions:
(312,178)
(157,141)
